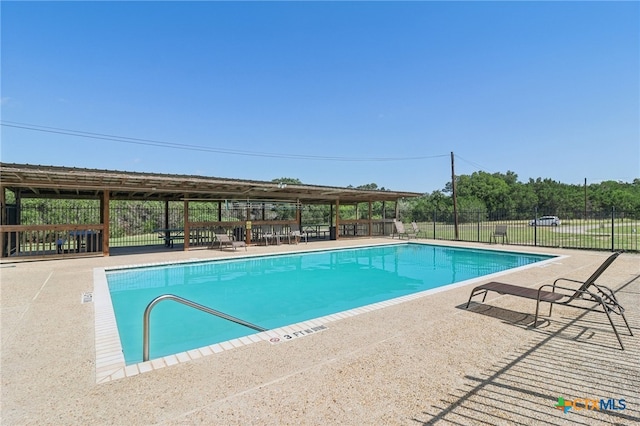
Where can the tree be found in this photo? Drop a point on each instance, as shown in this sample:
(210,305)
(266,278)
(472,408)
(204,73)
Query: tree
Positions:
(292,181)
(493,190)
(368,186)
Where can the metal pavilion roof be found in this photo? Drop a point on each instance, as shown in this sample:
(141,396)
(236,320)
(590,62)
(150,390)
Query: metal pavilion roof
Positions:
(70,182)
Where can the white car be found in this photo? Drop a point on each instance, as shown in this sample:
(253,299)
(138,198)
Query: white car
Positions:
(545,221)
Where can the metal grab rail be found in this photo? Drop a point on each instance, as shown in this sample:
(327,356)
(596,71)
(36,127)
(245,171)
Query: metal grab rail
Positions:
(147,314)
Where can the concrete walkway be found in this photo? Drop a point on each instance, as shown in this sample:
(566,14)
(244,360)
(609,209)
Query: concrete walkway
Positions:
(426,361)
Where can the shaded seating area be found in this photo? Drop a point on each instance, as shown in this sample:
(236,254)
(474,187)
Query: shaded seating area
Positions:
(401,232)
(582,297)
(129,210)
(276,234)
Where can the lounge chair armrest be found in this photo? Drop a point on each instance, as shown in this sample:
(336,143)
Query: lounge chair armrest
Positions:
(571,290)
(567,279)
(589,294)
(555,287)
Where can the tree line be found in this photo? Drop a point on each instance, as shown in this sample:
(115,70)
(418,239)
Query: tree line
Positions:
(503,192)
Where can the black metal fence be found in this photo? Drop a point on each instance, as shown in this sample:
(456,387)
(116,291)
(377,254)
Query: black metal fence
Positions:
(597,230)
(140,223)
(134,223)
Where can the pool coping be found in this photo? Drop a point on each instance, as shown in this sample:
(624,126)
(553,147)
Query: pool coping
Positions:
(110,363)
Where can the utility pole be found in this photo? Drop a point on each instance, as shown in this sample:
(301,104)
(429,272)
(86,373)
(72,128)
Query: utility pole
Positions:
(455,199)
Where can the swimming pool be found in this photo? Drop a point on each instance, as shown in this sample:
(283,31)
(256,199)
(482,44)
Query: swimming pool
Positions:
(277,290)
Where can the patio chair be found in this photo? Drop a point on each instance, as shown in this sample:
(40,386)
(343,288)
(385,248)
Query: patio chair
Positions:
(588,291)
(224,240)
(401,231)
(500,231)
(297,233)
(416,229)
(279,234)
(269,234)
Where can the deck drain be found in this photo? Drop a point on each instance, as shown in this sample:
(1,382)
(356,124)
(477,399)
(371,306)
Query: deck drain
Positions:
(87,297)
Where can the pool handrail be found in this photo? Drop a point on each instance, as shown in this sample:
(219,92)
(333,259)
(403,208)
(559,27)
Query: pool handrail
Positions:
(187,302)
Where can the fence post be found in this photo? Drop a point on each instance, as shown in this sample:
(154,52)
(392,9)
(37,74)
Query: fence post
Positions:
(613,218)
(478,225)
(435,215)
(535,227)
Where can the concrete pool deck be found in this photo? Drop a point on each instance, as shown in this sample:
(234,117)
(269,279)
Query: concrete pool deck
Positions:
(424,361)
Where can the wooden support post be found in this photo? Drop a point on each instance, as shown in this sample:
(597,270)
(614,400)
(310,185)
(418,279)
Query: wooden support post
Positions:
(219,211)
(3,219)
(18,195)
(337,219)
(104,219)
(384,218)
(187,232)
(370,219)
(3,204)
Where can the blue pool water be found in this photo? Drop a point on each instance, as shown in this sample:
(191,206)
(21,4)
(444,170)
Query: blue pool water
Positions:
(274,291)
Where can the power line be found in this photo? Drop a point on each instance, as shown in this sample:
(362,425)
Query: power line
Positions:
(189,147)
(479,166)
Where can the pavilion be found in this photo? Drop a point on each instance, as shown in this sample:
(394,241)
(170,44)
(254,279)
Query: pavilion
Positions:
(54,182)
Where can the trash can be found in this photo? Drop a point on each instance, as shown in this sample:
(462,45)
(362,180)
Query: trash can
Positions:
(94,241)
(332,232)
(238,233)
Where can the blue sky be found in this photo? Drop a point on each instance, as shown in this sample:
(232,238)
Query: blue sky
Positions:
(331,93)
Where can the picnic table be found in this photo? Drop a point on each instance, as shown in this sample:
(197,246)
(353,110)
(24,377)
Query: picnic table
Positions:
(316,230)
(169,235)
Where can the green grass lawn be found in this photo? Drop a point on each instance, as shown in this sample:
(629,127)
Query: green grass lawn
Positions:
(571,234)
(136,240)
